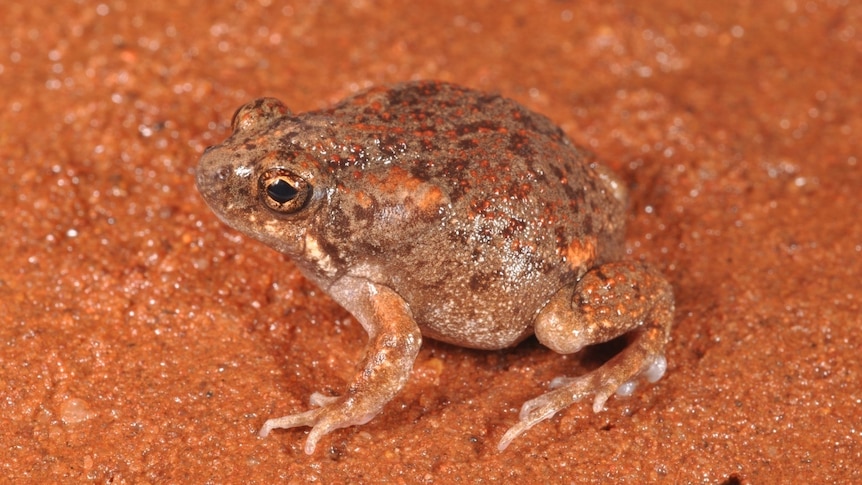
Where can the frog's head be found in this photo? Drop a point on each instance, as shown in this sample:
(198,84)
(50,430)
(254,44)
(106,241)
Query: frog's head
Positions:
(263,184)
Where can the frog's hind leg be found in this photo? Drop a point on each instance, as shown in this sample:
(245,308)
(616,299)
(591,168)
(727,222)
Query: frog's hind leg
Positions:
(611,300)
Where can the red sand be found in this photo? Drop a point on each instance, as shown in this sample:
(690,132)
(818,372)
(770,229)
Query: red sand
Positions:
(143,342)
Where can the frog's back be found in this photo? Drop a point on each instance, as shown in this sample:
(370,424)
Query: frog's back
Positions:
(416,122)
(457,195)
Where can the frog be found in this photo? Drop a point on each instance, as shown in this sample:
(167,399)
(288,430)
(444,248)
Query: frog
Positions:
(431,210)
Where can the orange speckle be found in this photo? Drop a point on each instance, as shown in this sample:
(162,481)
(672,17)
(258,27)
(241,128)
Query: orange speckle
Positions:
(363,200)
(581,252)
(430,198)
(403,188)
(396,179)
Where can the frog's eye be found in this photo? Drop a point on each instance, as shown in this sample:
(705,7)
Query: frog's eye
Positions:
(283,191)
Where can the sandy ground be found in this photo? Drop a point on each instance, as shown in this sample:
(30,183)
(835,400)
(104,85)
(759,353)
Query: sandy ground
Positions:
(144,342)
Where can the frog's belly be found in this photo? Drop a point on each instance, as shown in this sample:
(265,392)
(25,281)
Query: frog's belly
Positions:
(485,305)
(476,319)
(475,331)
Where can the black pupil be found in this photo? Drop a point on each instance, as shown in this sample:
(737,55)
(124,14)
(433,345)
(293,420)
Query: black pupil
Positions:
(281,191)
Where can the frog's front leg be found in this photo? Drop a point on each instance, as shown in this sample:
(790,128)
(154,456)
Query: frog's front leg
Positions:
(394,341)
(609,301)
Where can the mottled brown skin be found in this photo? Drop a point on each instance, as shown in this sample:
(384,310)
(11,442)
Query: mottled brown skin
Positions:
(429,209)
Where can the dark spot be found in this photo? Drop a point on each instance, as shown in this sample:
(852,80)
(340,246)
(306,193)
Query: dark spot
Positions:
(423,117)
(587,224)
(468,143)
(392,145)
(733,479)
(412,95)
(519,144)
(332,251)
(479,283)
(487,99)
(600,274)
(561,239)
(514,228)
(363,216)
(537,123)
(337,451)
(574,195)
(476,127)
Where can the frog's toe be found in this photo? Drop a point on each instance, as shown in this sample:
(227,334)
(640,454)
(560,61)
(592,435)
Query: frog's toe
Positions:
(576,388)
(656,368)
(533,412)
(652,372)
(319,400)
(333,417)
(308,418)
(545,407)
(601,383)
(627,388)
(330,414)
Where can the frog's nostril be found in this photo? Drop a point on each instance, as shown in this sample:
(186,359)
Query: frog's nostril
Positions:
(209,149)
(223,173)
